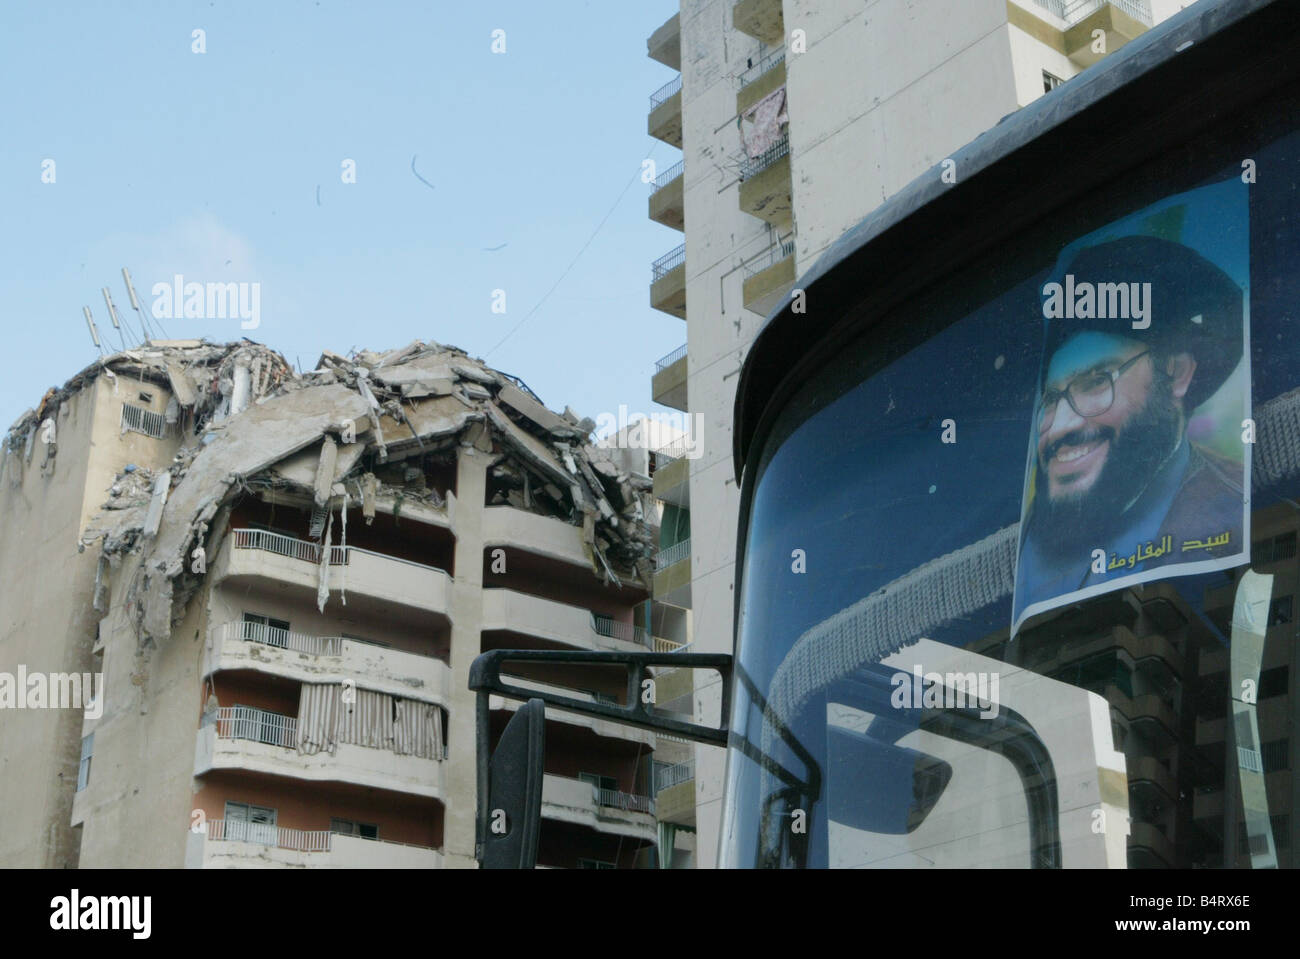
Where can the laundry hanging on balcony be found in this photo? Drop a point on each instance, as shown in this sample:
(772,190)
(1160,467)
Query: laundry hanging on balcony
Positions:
(761,125)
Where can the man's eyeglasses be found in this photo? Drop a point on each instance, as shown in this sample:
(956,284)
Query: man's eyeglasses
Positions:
(1089,394)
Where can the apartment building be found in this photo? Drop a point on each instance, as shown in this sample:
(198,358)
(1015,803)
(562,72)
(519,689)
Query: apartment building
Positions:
(795,120)
(283,579)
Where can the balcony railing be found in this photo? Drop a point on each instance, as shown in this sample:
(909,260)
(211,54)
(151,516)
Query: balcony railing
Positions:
(625,801)
(266,834)
(675,775)
(1072,11)
(769,62)
(666,92)
(668,262)
(667,177)
(308,551)
(629,633)
(139,420)
(752,166)
(283,638)
(769,258)
(676,450)
(666,361)
(673,554)
(259,725)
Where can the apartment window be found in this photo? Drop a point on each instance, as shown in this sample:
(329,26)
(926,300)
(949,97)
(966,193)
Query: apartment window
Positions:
(350,827)
(1050,82)
(265,629)
(249,823)
(1279,611)
(1276,755)
(137,419)
(600,782)
(1273,682)
(83,770)
(1275,549)
(595,864)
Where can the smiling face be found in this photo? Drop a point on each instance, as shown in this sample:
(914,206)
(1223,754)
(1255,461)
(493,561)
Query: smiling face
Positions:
(1073,450)
(1091,468)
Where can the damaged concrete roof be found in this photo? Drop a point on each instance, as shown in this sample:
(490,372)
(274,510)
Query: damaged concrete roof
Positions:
(248,421)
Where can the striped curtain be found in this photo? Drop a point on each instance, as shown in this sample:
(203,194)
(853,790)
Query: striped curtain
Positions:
(374,720)
(318,718)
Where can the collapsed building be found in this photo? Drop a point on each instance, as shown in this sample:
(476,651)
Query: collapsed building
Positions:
(257,544)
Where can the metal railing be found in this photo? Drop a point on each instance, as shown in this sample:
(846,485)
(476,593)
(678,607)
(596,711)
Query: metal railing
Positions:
(625,801)
(1072,11)
(769,258)
(673,554)
(266,834)
(675,775)
(666,92)
(668,262)
(752,166)
(768,63)
(676,450)
(667,177)
(139,420)
(259,725)
(308,551)
(661,645)
(283,638)
(664,362)
(629,633)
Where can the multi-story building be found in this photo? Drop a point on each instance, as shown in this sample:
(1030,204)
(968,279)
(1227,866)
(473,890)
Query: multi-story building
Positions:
(283,580)
(795,120)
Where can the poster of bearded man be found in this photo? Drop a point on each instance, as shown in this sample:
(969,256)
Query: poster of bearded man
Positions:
(1138,465)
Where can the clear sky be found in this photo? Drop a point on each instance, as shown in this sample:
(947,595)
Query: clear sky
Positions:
(227,166)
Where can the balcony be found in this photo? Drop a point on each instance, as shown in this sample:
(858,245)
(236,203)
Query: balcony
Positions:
(511,611)
(762,78)
(539,535)
(672,481)
(605,810)
(667,197)
(669,383)
(372,581)
(765,184)
(672,582)
(665,44)
(768,277)
(668,283)
(675,793)
(1120,21)
(759,18)
(327,659)
(232,843)
(260,741)
(665,122)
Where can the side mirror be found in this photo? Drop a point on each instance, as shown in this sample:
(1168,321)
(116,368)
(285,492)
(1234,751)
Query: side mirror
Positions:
(510,818)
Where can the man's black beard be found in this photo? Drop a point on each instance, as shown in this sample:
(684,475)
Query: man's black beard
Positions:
(1084,521)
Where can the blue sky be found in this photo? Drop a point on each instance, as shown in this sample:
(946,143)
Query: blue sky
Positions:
(169,161)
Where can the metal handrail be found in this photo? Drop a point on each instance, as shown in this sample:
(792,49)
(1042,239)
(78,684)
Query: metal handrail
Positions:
(308,551)
(1073,11)
(628,802)
(667,177)
(769,258)
(668,262)
(283,638)
(630,633)
(668,360)
(140,420)
(769,62)
(668,776)
(673,554)
(675,450)
(752,166)
(298,840)
(666,92)
(259,725)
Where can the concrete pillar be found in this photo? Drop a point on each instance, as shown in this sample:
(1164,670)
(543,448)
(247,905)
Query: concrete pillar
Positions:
(466,614)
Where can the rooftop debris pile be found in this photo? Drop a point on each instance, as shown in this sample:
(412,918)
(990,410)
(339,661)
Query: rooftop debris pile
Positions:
(353,431)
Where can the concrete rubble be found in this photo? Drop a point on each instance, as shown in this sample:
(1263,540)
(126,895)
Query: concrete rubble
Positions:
(354,429)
